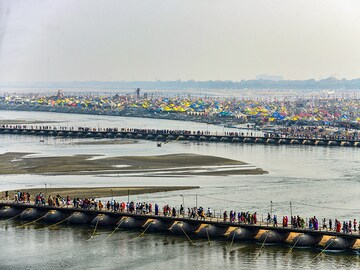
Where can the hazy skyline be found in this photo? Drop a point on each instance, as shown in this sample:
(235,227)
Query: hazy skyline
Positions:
(63,40)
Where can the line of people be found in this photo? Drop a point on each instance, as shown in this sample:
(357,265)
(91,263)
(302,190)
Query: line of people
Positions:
(242,217)
(295,132)
(144,208)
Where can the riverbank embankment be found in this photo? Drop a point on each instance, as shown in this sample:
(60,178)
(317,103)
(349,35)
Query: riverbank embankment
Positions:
(97,192)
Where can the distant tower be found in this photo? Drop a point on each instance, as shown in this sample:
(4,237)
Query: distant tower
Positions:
(60,94)
(138,93)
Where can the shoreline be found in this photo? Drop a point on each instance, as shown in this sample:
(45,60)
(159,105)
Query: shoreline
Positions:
(97,192)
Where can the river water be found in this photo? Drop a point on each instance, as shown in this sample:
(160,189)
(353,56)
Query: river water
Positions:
(320,181)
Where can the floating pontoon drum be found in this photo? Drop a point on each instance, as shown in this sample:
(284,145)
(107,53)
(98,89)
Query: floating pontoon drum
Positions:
(9,212)
(182,226)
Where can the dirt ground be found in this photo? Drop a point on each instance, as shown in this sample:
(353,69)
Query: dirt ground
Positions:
(97,192)
(175,164)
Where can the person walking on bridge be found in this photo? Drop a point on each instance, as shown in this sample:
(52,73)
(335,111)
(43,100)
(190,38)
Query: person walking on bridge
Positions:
(182,212)
(354,224)
(101,206)
(275,221)
(268,220)
(324,224)
(225,216)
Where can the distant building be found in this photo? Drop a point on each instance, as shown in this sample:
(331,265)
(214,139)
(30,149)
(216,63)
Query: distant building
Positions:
(269,77)
(60,94)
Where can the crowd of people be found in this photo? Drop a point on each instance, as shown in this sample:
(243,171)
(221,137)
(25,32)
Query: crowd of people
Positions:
(198,213)
(293,132)
(316,132)
(19,196)
(242,217)
(331,110)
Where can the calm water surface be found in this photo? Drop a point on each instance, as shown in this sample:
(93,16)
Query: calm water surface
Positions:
(318,181)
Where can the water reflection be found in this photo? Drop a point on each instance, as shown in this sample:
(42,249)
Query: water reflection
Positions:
(70,247)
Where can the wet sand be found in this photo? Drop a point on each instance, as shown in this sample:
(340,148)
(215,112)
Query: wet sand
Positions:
(177,164)
(98,192)
(104,142)
(25,122)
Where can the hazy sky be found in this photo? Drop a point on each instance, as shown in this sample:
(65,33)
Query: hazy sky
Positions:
(178,39)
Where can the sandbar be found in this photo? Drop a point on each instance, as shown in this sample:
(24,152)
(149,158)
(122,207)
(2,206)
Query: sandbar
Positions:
(172,164)
(25,122)
(98,192)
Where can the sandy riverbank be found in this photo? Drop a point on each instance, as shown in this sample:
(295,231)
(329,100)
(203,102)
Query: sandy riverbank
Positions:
(25,122)
(104,142)
(174,164)
(98,192)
